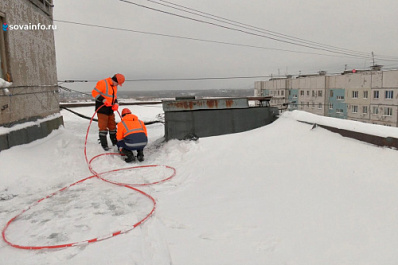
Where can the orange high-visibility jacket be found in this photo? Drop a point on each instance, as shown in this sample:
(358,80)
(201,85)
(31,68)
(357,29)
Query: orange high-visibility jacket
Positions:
(105,89)
(130,124)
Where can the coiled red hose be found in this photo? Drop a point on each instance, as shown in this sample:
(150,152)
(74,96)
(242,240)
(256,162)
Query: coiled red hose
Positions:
(99,176)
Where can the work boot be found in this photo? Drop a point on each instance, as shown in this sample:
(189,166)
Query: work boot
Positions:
(130,156)
(140,155)
(112,135)
(103,141)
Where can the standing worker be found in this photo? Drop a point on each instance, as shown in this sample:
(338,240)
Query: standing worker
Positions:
(105,93)
(131,135)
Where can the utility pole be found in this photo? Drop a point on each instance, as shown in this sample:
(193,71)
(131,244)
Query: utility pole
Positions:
(373,59)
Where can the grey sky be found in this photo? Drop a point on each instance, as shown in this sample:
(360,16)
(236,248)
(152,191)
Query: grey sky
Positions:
(94,53)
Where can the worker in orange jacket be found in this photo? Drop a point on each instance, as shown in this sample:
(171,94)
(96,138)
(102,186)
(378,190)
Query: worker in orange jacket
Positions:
(131,135)
(105,95)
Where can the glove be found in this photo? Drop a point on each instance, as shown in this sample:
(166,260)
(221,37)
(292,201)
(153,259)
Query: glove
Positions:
(115,107)
(107,103)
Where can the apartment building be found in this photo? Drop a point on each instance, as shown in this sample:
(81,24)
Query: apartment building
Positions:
(311,93)
(278,88)
(349,95)
(384,100)
(362,95)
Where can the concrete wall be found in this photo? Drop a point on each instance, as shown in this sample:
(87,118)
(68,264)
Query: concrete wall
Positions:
(377,78)
(31,64)
(390,79)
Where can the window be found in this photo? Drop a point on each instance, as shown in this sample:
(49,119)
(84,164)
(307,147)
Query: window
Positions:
(365,94)
(340,97)
(319,93)
(376,94)
(389,94)
(301,92)
(313,93)
(330,105)
(283,93)
(354,109)
(308,92)
(387,111)
(320,106)
(294,96)
(375,110)
(365,109)
(331,93)
(338,111)
(354,94)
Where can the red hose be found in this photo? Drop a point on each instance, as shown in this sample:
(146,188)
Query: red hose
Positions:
(99,176)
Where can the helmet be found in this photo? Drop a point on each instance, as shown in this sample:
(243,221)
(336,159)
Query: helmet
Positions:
(125,111)
(119,79)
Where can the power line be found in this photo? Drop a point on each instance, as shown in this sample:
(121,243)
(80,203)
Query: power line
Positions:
(258,29)
(201,78)
(176,79)
(195,39)
(243,31)
(71,90)
(245,26)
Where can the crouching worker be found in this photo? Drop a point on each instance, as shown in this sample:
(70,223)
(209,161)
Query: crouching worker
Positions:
(131,135)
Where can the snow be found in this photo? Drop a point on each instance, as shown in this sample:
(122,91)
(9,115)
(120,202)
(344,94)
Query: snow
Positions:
(6,130)
(279,194)
(367,128)
(4,83)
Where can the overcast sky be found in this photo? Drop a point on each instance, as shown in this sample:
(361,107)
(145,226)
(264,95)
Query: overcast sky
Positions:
(360,27)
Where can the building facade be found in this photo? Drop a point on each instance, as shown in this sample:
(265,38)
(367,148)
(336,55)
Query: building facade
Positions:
(311,93)
(367,95)
(27,56)
(278,89)
(384,99)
